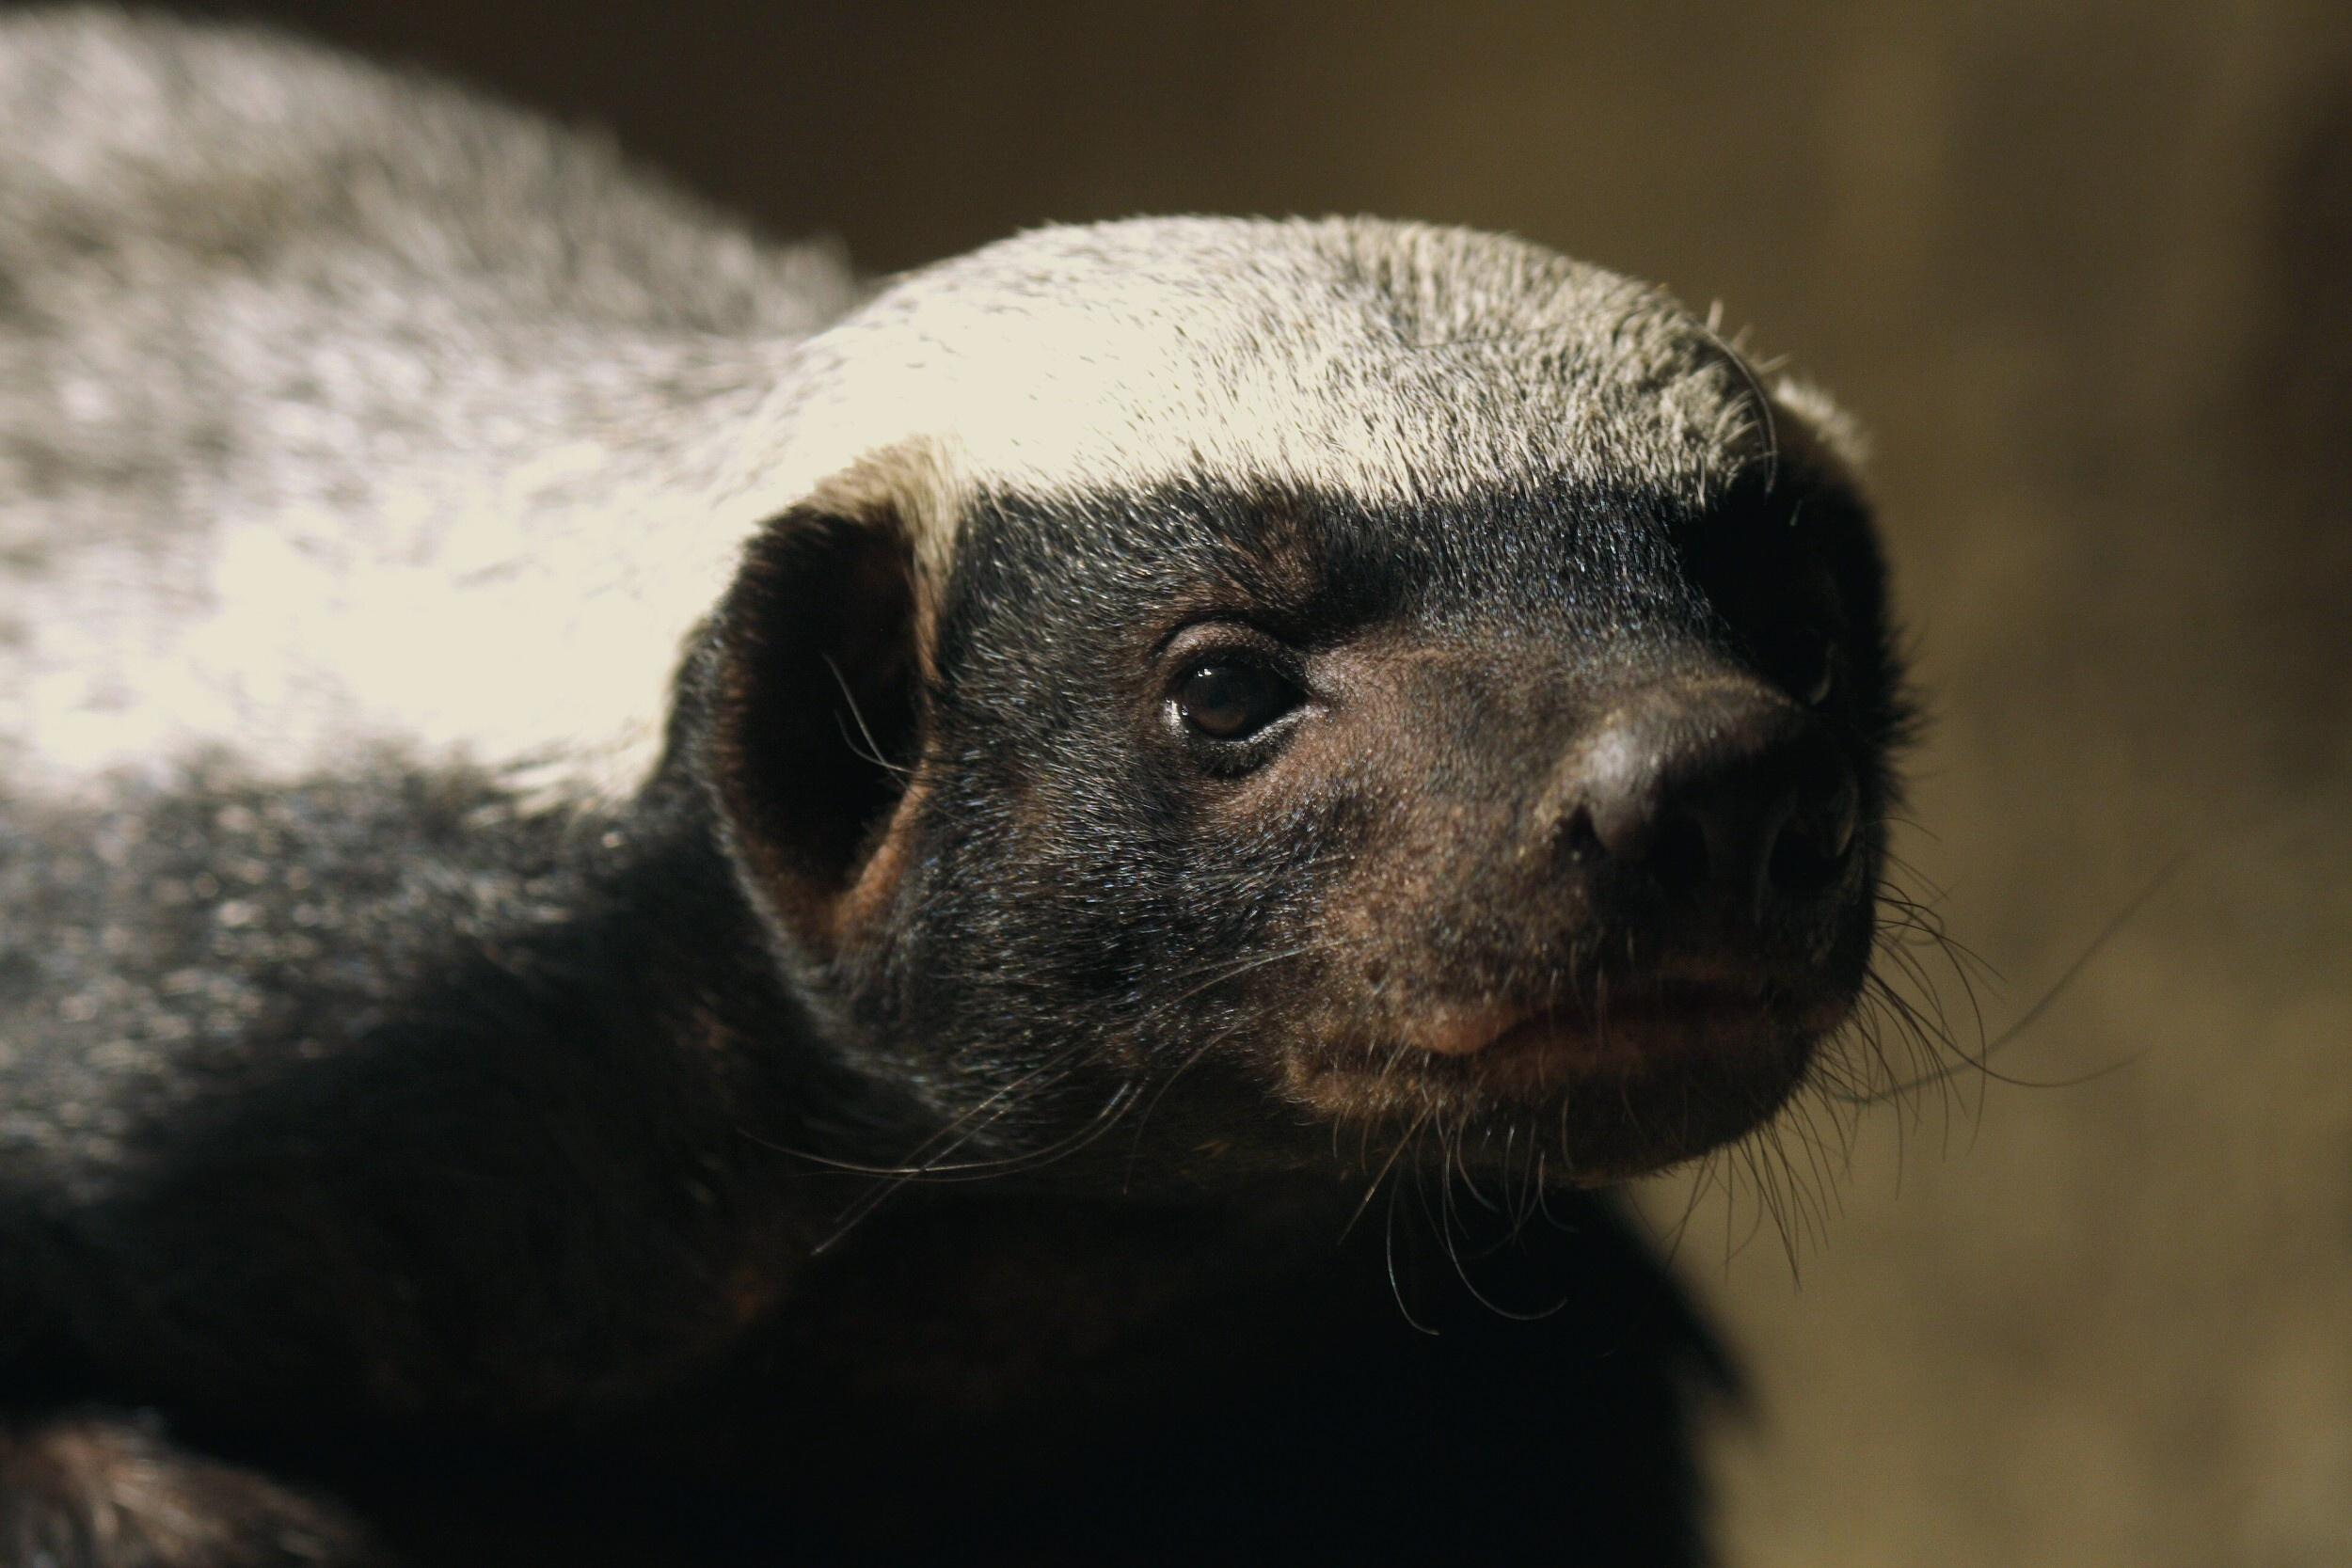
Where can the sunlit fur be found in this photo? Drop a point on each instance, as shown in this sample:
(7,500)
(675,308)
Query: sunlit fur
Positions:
(355,355)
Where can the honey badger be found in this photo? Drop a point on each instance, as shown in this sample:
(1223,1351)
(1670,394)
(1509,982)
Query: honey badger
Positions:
(656,905)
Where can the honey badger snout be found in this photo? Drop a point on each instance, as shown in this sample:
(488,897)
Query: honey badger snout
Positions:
(1672,909)
(1725,801)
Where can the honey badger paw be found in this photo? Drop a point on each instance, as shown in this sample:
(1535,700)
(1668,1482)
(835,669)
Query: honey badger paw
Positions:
(103,1490)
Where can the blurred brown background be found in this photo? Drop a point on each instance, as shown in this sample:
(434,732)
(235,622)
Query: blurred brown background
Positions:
(2085,269)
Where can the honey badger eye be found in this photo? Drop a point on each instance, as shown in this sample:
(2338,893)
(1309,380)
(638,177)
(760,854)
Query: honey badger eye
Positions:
(1233,700)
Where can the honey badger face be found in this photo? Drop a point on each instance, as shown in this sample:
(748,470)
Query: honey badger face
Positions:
(1494,740)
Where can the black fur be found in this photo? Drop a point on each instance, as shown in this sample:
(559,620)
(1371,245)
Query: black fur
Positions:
(518,1183)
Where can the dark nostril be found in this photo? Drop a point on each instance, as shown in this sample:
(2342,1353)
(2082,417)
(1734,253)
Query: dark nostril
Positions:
(1580,839)
(1677,858)
(1802,863)
(1716,798)
(1810,853)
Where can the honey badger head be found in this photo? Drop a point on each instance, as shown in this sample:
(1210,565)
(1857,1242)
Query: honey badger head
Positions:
(1288,674)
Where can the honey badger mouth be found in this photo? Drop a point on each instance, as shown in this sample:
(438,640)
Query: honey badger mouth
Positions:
(1625,1079)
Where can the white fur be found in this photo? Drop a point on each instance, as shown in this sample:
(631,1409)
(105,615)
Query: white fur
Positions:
(337,443)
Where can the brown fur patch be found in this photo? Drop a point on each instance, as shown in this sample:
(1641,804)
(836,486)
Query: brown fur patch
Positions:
(866,904)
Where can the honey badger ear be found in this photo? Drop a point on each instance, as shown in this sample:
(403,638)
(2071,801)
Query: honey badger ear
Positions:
(812,701)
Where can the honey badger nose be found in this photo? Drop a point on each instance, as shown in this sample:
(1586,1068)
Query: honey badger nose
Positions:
(1723,797)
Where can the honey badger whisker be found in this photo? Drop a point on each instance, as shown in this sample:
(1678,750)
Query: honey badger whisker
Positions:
(1705,1177)
(1235,969)
(1905,926)
(1102,1122)
(1769,1164)
(1193,1059)
(922,1162)
(1215,1040)
(1396,1286)
(2056,989)
(1904,919)
(1821,1163)
(945,1167)
(1512,1170)
(1445,1220)
(1539,1209)
(1809,1203)
(1396,1152)
(871,751)
(1904,959)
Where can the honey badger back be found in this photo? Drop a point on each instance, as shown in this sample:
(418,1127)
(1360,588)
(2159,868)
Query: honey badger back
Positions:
(787,925)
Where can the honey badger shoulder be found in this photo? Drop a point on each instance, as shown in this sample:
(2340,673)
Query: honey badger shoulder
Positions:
(324,391)
(877,912)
